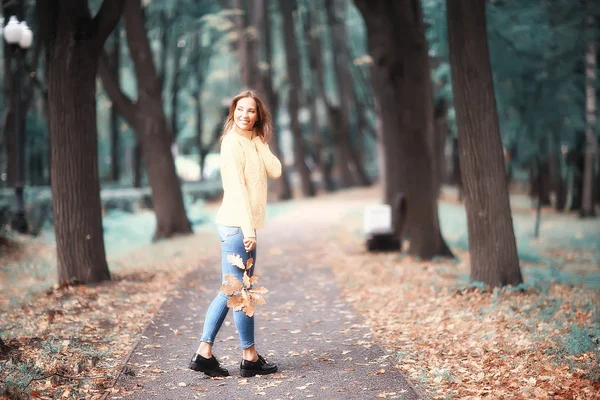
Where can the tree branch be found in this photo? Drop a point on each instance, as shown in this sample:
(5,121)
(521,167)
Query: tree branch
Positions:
(105,20)
(120,100)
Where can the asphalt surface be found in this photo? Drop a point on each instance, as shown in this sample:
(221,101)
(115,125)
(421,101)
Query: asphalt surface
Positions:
(322,347)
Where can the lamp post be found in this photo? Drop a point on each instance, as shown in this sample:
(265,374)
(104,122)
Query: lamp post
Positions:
(19,37)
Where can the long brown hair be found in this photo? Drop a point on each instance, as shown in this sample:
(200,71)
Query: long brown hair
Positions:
(263,126)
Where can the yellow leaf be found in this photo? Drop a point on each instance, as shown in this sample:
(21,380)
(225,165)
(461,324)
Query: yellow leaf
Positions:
(260,290)
(249,263)
(235,302)
(246,280)
(236,260)
(231,286)
(257,298)
(249,309)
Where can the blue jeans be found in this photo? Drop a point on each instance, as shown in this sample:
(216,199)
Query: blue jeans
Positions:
(231,243)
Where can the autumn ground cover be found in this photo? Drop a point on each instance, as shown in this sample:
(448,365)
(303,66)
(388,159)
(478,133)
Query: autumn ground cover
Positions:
(453,339)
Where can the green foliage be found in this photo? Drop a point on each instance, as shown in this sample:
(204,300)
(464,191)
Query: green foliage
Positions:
(537,53)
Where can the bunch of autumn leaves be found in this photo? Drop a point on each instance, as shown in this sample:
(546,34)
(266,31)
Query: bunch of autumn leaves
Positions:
(248,297)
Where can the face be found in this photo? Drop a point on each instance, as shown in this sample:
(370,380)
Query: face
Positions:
(245,114)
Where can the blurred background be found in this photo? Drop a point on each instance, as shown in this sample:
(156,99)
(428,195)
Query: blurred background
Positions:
(310,60)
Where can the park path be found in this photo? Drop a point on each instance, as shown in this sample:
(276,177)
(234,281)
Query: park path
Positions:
(322,347)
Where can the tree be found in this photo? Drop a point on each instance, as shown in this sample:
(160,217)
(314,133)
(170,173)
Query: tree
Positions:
(321,144)
(74,40)
(492,246)
(294,85)
(146,116)
(253,28)
(345,153)
(397,46)
(115,142)
(587,205)
(282,185)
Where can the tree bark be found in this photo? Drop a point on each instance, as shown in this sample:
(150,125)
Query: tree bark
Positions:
(74,41)
(398,48)
(138,162)
(492,246)
(341,133)
(295,84)
(283,189)
(254,21)
(115,145)
(321,144)
(175,92)
(587,201)
(147,118)
(10,92)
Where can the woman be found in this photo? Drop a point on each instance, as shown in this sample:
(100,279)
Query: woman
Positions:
(246,161)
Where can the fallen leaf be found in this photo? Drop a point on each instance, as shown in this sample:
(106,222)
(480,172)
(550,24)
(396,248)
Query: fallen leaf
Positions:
(236,260)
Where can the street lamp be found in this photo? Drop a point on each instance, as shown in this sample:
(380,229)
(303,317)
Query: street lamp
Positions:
(19,37)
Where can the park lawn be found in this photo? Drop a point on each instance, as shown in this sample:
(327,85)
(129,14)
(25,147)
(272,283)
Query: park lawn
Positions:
(454,340)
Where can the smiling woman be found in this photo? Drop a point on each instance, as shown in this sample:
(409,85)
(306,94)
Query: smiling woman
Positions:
(246,161)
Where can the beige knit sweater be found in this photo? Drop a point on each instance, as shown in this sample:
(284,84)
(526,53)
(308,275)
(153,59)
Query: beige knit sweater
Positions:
(245,165)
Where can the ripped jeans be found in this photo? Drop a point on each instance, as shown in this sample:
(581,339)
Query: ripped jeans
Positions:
(231,243)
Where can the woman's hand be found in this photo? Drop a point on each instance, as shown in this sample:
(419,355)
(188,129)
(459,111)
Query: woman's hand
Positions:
(249,244)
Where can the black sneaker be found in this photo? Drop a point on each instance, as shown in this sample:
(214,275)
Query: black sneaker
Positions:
(258,367)
(210,366)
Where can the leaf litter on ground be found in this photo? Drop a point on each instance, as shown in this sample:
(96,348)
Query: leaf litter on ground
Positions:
(452,339)
(458,340)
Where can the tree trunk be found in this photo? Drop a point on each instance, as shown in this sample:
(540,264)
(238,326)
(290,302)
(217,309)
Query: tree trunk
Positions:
(398,48)
(255,21)
(494,259)
(362,127)
(295,84)
(318,97)
(71,63)
(11,88)
(147,118)
(440,133)
(115,145)
(138,164)
(341,133)
(242,47)
(203,150)
(576,160)
(283,189)
(587,201)
(175,92)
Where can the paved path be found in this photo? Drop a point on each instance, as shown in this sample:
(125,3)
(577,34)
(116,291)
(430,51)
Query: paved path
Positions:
(322,347)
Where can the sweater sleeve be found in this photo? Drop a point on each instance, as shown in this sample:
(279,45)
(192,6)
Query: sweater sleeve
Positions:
(232,172)
(272,164)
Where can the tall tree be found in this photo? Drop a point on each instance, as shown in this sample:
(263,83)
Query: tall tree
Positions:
(294,85)
(283,189)
(115,129)
(340,62)
(397,45)
(12,84)
(146,116)
(74,40)
(492,247)
(321,145)
(587,204)
(346,157)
